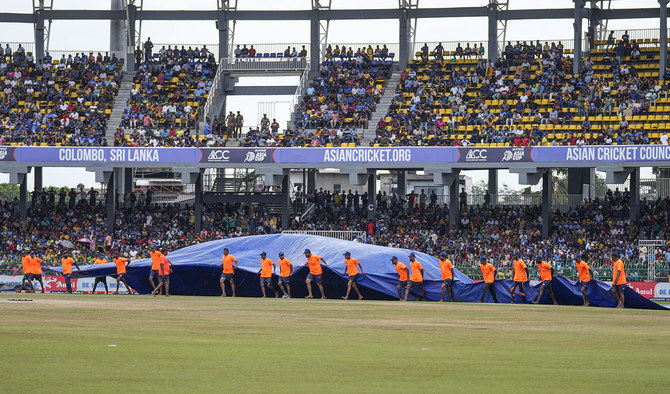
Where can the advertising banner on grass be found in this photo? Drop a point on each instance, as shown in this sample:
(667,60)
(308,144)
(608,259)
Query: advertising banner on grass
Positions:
(652,290)
(57,284)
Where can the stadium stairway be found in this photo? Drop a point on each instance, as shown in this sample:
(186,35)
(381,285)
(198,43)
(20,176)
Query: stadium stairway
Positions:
(381,110)
(119,103)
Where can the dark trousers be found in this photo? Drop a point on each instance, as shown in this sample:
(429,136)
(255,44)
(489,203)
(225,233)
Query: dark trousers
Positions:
(489,287)
(68,285)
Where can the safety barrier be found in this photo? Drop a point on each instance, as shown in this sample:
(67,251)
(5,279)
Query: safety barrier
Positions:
(345,235)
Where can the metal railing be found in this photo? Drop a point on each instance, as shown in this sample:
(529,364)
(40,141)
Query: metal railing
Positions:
(272,48)
(567,43)
(345,235)
(286,64)
(211,48)
(58,54)
(393,48)
(636,34)
(213,91)
(309,212)
(562,202)
(297,96)
(449,46)
(29,46)
(179,198)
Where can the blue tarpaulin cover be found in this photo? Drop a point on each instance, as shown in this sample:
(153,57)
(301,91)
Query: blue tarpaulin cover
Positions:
(197,270)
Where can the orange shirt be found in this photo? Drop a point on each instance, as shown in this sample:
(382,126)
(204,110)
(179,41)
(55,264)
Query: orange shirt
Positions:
(520,271)
(352,266)
(164,265)
(402,271)
(446,267)
(284,268)
(27,263)
(416,268)
(155,260)
(314,263)
(488,270)
(583,270)
(545,271)
(228,263)
(266,268)
(67,264)
(120,265)
(99,261)
(37,266)
(618,266)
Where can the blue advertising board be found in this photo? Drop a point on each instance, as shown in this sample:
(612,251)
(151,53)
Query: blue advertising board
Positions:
(335,156)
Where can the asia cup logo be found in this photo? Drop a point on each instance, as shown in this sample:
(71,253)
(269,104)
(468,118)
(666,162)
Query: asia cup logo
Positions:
(256,156)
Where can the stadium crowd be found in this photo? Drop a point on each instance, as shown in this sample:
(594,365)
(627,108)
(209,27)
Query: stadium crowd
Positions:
(57,102)
(62,219)
(163,108)
(528,96)
(520,98)
(598,227)
(343,95)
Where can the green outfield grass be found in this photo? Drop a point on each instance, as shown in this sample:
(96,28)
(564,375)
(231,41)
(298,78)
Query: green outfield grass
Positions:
(61,343)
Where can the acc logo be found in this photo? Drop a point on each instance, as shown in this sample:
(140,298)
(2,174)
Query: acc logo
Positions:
(219,155)
(3,153)
(477,155)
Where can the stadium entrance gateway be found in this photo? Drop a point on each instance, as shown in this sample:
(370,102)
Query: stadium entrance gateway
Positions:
(648,249)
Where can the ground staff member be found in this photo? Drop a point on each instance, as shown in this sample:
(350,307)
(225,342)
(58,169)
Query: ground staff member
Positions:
(618,279)
(520,277)
(315,273)
(351,267)
(584,279)
(547,276)
(403,276)
(447,270)
(416,278)
(66,263)
(228,273)
(267,269)
(489,273)
(285,271)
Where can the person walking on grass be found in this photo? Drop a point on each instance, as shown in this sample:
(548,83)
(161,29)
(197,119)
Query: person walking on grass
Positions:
(403,276)
(66,262)
(489,273)
(416,278)
(155,265)
(267,270)
(618,280)
(447,270)
(121,264)
(100,279)
(285,271)
(585,273)
(27,264)
(37,270)
(546,276)
(228,273)
(352,266)
(520,277)
(315,273)
(164,269)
